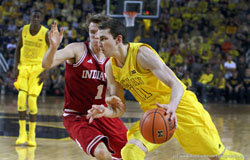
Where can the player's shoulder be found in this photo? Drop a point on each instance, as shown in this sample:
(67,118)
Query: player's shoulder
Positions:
(144,51)
(144,48)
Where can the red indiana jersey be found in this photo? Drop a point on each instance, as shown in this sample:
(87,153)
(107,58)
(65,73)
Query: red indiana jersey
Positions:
(85,83)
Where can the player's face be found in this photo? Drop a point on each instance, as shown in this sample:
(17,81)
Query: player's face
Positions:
(93,28)
(36,18)
(107,43)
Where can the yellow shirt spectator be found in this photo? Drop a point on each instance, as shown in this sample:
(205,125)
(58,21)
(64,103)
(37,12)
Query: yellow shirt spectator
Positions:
(175,59)
(175,23)
(234,53)
(206,78)
(165,56)
(187,82)
(220,83)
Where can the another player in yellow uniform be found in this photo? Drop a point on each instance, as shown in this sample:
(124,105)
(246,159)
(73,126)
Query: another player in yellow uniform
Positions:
(138,68)
(32,44)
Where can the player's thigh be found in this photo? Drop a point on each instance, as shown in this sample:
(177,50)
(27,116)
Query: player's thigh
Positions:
(87,136)
(116,132)
(23,78)
(195,131)
(34,87)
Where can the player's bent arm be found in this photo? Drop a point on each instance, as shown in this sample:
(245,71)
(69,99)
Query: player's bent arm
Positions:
(54,57)
(150,61)
(114,95)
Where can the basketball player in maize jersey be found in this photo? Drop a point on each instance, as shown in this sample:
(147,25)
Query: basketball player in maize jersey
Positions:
(85,85)
(138,68)
(32,44)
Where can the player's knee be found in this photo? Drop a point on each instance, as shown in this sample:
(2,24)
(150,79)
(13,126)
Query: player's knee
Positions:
(101,153)
(21,102)
(131,152)
(32,102)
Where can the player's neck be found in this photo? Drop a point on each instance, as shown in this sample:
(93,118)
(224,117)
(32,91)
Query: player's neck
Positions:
(97,52)
(34,29)
(122,54)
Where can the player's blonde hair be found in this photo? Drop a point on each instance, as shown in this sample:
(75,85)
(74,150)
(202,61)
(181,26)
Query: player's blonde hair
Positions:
(96,18)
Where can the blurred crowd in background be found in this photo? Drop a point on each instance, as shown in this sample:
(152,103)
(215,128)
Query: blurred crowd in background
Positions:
(205,42)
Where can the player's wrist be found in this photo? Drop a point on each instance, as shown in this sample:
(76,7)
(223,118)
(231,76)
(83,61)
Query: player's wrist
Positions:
(108,111)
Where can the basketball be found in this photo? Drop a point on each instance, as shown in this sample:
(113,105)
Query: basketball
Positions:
(155,126)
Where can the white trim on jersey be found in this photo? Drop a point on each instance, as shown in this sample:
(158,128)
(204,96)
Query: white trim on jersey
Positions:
(114,158)
(82,58)
(93,142)
(70,110)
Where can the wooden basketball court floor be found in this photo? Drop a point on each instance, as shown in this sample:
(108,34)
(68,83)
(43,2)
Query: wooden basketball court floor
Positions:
(232,122)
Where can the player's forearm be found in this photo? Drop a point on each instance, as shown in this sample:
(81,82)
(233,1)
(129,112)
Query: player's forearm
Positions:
(177,92)
(48,57)
(113,112)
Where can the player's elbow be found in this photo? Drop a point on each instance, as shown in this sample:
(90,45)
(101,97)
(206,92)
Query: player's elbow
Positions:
(45,65)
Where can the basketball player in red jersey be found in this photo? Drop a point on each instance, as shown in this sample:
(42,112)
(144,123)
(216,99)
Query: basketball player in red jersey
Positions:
(85,85)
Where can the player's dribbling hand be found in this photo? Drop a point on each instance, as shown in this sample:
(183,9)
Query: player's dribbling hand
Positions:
(96,111)
(169,110)
(55,37)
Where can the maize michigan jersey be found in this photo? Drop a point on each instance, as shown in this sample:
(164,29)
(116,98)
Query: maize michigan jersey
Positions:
(145,87)
(34,46)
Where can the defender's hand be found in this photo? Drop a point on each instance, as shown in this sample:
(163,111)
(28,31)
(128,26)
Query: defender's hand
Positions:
(97,111)
(55,37)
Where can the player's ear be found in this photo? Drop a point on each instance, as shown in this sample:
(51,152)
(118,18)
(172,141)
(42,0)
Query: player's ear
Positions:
(119,39)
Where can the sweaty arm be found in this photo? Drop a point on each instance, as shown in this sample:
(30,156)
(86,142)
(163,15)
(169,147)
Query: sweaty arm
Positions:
(53,57)
(114,95)
(148,60)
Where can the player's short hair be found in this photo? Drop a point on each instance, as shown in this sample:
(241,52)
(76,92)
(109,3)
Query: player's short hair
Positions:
(96,18)
(115,28)
(35,10)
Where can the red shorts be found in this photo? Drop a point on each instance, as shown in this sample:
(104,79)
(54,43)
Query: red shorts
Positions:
(87,135)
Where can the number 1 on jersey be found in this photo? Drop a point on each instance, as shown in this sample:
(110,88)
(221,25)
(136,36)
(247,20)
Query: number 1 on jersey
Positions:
(99,92)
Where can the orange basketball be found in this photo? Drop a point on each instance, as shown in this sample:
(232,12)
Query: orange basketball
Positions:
(156,127)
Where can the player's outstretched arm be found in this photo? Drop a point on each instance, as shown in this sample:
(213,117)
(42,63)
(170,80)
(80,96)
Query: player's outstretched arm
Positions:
(114,98)
(54,57)
(150,61)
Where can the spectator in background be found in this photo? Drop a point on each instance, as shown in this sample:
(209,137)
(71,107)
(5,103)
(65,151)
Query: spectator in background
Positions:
(197,68)
(179,70)
(219,84)
(229,66)
(11,45)
(187,80)
(227,45)
(245,89)
(233,84)
(241,66)
(204,83)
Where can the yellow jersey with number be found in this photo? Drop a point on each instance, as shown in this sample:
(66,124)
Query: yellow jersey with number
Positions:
(143,84)
(34,46)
